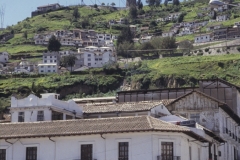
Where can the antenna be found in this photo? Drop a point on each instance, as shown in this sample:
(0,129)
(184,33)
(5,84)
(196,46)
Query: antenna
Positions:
(2,13)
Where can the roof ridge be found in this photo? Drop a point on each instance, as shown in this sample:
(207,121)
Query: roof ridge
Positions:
(150,122)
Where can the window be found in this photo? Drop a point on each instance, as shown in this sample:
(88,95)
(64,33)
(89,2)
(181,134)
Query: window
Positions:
(49,71)
(50,56)
(45,61)
(86,151)
(31,153)
(166,150)
(190,153)
(57,116)
(21,117)
(49,66)
(89,59)
(89,55)
(55,60)
(89,64)
(51,61)
(123,150)
(100,59)
(96,59)
(42,71)
(40,116)
(41,66)
(2,154)
(195,117)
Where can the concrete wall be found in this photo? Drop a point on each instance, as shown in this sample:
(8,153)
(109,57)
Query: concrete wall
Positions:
(142,146)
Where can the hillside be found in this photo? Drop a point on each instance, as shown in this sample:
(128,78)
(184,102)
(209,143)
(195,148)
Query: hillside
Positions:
(159,73)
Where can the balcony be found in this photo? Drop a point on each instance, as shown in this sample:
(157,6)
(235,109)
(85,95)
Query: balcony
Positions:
(162,157)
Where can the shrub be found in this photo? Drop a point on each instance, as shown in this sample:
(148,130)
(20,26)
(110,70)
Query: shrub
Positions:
(200,50)
(206,49)
(218,50)
(209,52)
(200,54)
(195,51)
(238,48)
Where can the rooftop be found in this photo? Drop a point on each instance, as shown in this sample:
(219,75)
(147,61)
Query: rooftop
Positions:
(123,107)
(90,126)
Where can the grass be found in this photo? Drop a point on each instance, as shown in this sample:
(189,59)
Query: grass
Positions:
(193,66)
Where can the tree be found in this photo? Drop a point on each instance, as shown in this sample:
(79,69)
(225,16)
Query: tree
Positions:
(68,61)
(133,12)
(54,44)
(186,46)
(95,6)
(139,4)
(147,46)
(113,4)
(180,18)
(25,35)
(103,4)
(76,14)
(164,43)
(125,35)
(122,49)
(176,2)
(166,2)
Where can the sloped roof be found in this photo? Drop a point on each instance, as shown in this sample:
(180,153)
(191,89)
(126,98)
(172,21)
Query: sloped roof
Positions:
(90,126)
(221,104)
(122,107)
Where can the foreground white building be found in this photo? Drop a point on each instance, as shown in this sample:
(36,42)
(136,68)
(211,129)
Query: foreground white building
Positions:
(125,138)
(47,108)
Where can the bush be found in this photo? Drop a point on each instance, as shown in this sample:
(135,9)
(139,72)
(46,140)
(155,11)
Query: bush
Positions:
(206,49)
(200,50)
(200,54)
(195,51)
(209,52)
(218,50)
(238,48)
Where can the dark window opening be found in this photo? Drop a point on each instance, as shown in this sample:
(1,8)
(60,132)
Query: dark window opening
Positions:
(167,150)
(86,151)
(31,153)
(2,154)
(57,116)
(40,116)
(21,117)
(123,150)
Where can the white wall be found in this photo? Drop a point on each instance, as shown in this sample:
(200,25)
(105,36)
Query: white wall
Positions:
(142,146)
(50,68)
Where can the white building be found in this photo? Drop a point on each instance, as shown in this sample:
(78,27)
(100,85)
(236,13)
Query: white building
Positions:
(213,27)
(24,67)
(146,39)
(97,56)
(185,31)
(4,57)
(202,38)
(50,63)
(47,108)
(48,7)
(132,138)
(216,116)
(223,17)
(168,34)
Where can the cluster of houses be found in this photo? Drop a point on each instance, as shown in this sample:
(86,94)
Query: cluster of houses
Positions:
(162,124)
(215,30)
(88,57)
(77,37)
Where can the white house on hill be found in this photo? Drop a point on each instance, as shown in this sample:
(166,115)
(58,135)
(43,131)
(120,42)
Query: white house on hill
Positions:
(4,57)
(50,63)
(94,57)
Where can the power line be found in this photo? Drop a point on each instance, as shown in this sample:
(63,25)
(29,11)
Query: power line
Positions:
(2,13)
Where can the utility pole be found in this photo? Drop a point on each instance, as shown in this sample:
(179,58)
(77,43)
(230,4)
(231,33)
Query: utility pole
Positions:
(2,13)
